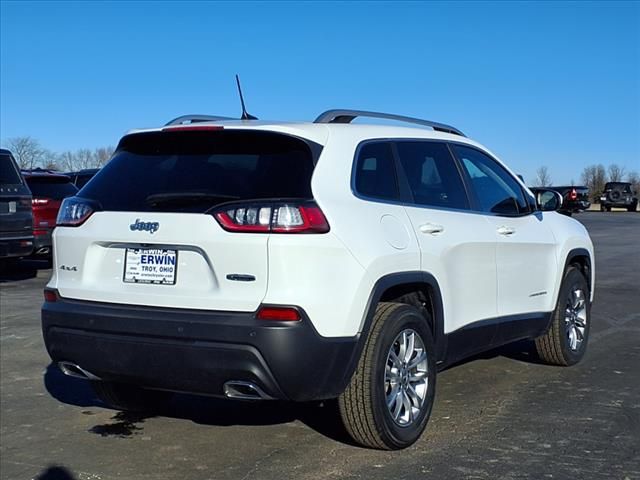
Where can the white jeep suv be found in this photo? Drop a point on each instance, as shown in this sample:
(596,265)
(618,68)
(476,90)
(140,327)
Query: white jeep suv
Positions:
(309,261)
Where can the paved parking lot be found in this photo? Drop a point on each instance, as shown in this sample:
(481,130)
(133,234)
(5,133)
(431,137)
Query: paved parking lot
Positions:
(502,415)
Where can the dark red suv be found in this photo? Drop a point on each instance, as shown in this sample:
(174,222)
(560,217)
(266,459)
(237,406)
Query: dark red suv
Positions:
(48,190)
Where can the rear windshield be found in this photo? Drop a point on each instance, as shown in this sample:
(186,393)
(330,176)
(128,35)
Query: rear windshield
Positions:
(55,188)
(625,187)
(9,175)
(194,171)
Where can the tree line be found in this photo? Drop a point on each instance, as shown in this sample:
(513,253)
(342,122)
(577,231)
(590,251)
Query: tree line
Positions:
(594,177)
(30,154)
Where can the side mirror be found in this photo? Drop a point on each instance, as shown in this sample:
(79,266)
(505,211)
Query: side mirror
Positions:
(548,200)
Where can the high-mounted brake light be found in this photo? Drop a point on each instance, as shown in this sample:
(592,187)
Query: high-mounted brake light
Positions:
(74,211)
(272,217)
(573,195)
(283,314)
(193,128)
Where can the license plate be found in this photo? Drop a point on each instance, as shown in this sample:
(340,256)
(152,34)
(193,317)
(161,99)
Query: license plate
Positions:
(8,207)
(150,265)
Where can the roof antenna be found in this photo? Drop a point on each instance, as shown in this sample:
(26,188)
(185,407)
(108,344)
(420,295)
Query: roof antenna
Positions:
(245,115)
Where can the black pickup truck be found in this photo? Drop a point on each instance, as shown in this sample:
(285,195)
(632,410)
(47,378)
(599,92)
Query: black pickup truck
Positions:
(574,198)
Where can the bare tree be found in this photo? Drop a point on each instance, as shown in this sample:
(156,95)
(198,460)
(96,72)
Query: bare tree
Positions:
(543,178)
(101,156)
(594,177)
(26,150)
(616,173)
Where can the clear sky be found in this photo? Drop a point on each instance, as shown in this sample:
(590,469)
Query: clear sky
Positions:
(547,83)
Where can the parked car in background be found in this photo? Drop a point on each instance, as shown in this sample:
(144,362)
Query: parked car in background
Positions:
(48,190)
(618,195)
(81,177)
(574,198)
(16,221)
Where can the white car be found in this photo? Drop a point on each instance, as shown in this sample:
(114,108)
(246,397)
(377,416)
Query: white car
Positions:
(309,261)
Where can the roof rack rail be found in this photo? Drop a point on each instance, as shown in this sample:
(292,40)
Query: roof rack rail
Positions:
(347,116)
(195,118)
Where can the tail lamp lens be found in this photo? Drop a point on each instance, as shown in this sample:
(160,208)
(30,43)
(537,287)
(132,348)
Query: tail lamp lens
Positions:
(573,194)
(74,211)
(273,217)
(283,314)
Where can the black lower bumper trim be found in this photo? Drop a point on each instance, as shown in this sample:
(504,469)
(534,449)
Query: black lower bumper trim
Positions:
(197,351)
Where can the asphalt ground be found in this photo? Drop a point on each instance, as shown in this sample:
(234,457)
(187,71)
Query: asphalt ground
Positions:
(502,415)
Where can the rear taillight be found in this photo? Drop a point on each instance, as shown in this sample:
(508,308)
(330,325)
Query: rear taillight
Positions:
(272,217)
(573,195)
(74,211)
(39,201)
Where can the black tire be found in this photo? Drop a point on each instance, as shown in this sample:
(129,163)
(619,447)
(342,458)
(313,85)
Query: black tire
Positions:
(554,347)
(131,398)
(363,405)
(602,208)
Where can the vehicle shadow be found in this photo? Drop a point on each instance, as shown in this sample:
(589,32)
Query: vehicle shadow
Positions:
(16,270)
(55,473)
(319,416)
(521,351)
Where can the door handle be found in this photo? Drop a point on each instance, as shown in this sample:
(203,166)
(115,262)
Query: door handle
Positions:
(431,228)
(504,230)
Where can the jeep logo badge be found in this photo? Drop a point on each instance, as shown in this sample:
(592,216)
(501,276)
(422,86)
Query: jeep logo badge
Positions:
(144,226)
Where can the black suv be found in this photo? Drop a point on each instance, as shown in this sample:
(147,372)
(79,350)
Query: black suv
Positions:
(619,195)
(16,220)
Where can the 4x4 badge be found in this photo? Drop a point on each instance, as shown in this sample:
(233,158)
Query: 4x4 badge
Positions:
(144,226)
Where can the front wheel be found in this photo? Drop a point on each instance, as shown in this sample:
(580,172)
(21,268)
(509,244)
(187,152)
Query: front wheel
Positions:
(566,340)
(388,402)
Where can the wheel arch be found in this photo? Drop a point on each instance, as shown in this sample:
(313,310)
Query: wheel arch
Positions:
(581,258)
(413,288)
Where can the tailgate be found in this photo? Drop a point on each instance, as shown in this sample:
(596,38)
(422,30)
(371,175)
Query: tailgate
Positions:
(90,262)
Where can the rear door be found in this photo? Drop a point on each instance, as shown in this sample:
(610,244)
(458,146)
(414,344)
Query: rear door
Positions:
(153,240)
(15,200)
(458,246)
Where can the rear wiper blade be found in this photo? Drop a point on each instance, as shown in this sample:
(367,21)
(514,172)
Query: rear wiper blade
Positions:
(186,198)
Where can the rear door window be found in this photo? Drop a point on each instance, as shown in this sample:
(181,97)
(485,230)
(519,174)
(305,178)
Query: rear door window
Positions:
(375,175)
(194,171)
(432,174)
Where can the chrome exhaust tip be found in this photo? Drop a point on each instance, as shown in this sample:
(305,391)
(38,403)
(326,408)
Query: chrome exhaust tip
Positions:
(73,370)
(242,390)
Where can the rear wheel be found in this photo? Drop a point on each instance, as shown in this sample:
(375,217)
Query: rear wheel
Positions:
(566,340)
(127,397)
(389,399)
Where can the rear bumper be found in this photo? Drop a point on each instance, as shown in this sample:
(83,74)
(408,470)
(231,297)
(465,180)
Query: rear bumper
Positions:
(16,246)
(197,351)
